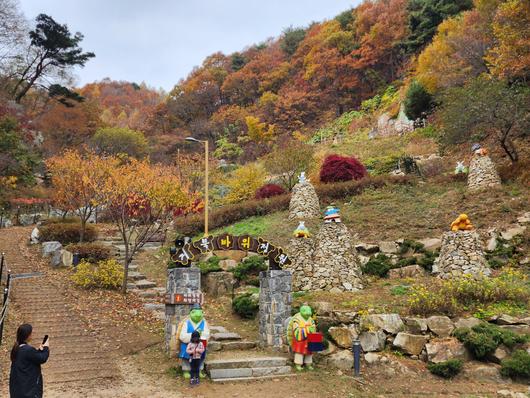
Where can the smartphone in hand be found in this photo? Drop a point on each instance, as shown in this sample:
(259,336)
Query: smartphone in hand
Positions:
(45,339)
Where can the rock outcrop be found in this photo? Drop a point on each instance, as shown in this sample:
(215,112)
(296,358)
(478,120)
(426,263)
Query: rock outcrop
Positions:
(304,204)
(482,174)
(461,254)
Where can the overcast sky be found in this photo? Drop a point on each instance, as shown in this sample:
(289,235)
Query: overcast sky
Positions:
(160,41)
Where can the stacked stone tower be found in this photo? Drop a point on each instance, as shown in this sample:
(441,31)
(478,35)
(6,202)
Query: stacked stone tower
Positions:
(304,204)
(482,173)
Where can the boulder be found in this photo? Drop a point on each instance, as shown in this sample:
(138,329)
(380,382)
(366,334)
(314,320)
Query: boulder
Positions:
(524,219)
(366,248)
(411,344)
(484,373)
(236,255)
(34,237)
(388,247)
(431,244)
(505,319)
(49,248)
(347,317)
(415,325)
(218,283)
(510,233)
(441,350)
(467,322)
(228,264)
(5,223)
(372,341)
(499,354)
(372,358)
(519,329)
(342,336)
(492,243)
(28,219)
(440,325)
(410,271)
(342,360)
(390,323)
(323,308)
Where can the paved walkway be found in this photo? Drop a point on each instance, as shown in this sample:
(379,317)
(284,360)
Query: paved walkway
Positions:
(78,354)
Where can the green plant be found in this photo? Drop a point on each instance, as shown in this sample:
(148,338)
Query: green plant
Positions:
(399,290)
(517,365)
(447,369)
(210,265)
(504,252)
(106,274)
(246,305)
(378,266)
(411,245)
(427,260)
(67,233)
(484,338)
(248,270)
(90,251)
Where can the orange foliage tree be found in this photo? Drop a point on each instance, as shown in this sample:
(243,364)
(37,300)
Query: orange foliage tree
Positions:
(76,180)
(141,199)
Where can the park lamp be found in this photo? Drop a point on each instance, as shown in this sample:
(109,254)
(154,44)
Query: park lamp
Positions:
(205,142)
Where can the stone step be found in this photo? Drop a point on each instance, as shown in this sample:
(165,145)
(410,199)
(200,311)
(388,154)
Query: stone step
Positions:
(248,373)
(225,336)
(246,379)
(145,284)
(135,276)
(80,375)
(132,286)
(250,362)
(238,345)
(133,267)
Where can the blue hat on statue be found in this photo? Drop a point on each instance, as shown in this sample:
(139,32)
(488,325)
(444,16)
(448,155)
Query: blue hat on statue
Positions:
(196,306)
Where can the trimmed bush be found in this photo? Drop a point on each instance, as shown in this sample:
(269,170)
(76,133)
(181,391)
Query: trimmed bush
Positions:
(210,265)
(105,274)
(67,233)
(483,339)
(418,101)
(61,220)
(268,191)
(447,369)
(516,366)
(89,251)
(341,168)
(246,305)
(248,270)
(378,266)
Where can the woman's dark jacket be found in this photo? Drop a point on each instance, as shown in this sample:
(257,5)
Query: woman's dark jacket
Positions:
(25,380)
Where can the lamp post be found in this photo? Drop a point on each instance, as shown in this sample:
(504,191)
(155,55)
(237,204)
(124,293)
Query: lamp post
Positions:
(205,142)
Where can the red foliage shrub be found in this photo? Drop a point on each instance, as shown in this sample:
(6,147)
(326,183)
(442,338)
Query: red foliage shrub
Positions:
(269,190)
(341,168)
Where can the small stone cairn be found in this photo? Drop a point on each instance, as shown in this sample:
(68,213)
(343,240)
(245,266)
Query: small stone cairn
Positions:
(326,262)
(461,252)
(304,202)
(482,172)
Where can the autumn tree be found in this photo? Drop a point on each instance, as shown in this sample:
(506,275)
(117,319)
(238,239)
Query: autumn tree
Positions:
(77,180)
(17,159)
(243,183)
(287,161)
(258,131)
(53,52)
(115,140)
(140,199)
(486,108)
(291,38)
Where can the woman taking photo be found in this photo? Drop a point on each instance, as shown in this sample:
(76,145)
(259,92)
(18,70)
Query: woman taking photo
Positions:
(25,380)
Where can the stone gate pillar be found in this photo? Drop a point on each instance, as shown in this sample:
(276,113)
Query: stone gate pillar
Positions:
(185,282)
(274,306)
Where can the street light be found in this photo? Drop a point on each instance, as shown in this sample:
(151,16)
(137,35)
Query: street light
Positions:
(205,142)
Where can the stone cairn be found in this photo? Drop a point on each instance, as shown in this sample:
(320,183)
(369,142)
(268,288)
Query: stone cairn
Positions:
(461,254)
(482,173)
(304,202)
(326,262)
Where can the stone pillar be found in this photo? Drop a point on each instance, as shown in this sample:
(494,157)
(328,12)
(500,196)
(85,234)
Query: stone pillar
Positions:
(461,254)
(482,174)
(183,281)
(274,306)
(304,204)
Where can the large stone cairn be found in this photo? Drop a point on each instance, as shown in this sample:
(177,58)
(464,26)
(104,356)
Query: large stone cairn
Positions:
(461,254)
(482,173)
(326,262)
(304,204)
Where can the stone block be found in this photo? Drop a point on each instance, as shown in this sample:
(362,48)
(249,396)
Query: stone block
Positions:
(218,284)
(342,360)
(411,344)
(388,247)
(230,373)
(390,323)
(372,341)
(410,271)
(441,350)
(415,325)
(440,325)
(467,322)
(275,370)
(342,336)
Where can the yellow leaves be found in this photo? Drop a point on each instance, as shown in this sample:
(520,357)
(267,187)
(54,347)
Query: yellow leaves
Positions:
(9,182)
(510,57)
(107,274)
(259,132)
(244,182)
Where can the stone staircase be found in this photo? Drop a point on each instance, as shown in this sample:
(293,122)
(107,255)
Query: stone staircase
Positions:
(240,368)
(231,358)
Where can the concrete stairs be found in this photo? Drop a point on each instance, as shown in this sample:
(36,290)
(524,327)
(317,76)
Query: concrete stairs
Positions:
(222,340)
(247,369)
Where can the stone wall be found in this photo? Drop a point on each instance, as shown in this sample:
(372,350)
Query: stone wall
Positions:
(461,254)
(326,262)
(482,173)
(304,204)
(274,306)
(179,280)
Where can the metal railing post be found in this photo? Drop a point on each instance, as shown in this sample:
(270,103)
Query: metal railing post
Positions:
(356,357)
(1,267)
(4,306)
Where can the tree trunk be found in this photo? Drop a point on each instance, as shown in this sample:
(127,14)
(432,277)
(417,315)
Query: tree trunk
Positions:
(509,148)
(125,267)
(82,233)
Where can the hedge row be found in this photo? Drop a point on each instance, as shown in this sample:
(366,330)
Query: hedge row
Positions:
(193,225)
(67,233)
